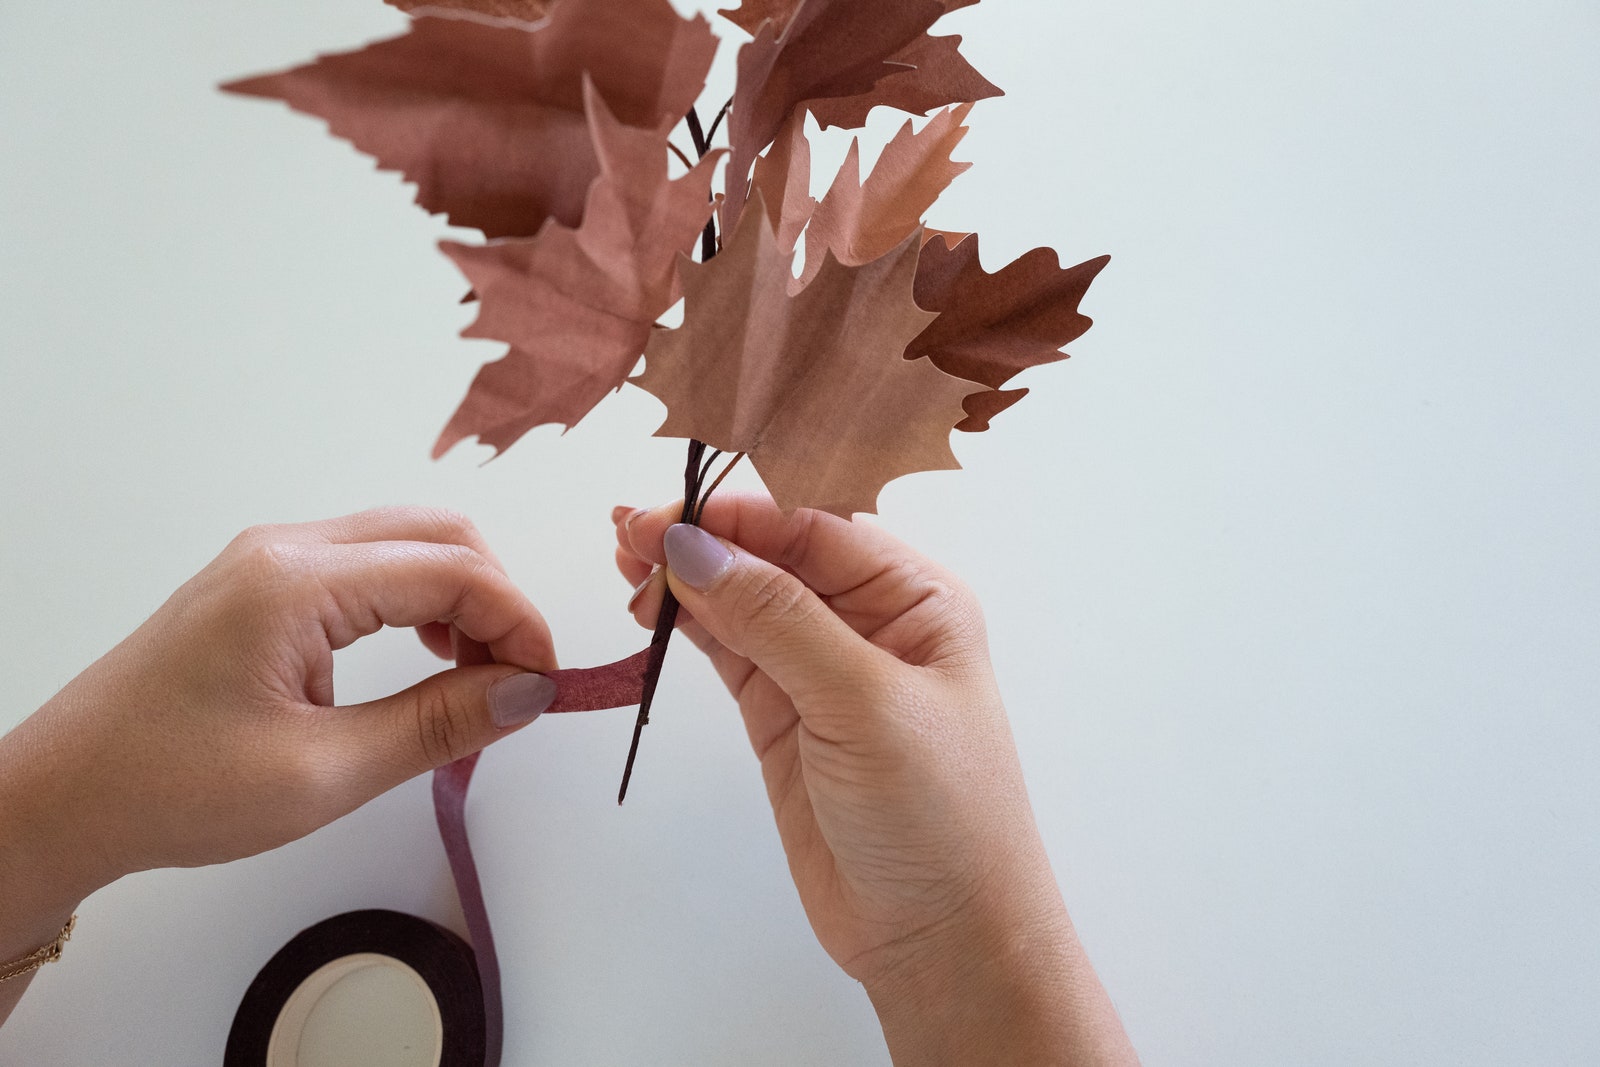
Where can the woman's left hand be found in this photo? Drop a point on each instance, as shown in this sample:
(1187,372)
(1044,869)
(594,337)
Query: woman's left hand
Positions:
(209,734)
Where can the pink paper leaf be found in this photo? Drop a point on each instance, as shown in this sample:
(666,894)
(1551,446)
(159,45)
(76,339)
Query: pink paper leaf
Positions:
(487,118)
(577,305)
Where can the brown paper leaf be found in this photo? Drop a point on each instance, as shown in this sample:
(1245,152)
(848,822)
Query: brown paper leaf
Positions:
(935,74)
(750,14)
(578,305)
(488,119)
(951,238)
(992,327)
(859,221)
(981,407)
(783,178)
(814,386)
(521,10)
(830,48)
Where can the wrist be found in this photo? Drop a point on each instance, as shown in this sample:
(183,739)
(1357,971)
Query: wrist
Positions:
(973,991)
(46,868)
(1004,982)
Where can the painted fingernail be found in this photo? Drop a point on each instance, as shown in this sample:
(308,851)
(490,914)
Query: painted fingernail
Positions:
(696,556)
(638,590)
(520,699)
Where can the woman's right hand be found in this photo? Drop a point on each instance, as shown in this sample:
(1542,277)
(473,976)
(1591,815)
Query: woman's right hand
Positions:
(863,676)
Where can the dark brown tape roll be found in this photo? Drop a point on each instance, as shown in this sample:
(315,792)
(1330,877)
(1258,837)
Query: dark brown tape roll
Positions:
(443,960)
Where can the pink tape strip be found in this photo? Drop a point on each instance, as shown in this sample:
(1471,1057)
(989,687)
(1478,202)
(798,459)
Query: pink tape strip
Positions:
(615,685)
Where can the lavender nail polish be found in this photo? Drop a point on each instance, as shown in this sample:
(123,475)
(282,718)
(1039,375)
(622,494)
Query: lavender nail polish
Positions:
(520,699)
(696,556)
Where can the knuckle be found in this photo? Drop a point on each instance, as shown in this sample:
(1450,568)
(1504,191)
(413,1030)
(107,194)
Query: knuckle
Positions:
(442,726)
(444,525)
(467,559)
(464,528)
(797,545)
(943,609)
(951,601)
(275,571)
(448,524)
(470,565)
(773,602)
(937,586)
(252,537)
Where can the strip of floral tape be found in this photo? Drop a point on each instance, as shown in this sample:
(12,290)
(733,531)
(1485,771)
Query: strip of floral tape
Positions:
(614,685)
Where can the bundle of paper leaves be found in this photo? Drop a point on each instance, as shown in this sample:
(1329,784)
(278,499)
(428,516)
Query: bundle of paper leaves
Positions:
(548,125)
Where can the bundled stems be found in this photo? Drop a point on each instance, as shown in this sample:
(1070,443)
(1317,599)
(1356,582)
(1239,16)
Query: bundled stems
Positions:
(697,466)
(693,474)
(700,509)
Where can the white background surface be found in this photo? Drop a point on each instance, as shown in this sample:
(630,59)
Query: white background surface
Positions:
(1291,573)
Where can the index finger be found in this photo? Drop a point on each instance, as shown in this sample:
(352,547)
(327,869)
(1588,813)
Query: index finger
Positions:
(374,584)
(831,555)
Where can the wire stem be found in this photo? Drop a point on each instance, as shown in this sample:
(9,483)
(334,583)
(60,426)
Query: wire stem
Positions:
(665,621)
(696,467)
(712,132)
(705,497)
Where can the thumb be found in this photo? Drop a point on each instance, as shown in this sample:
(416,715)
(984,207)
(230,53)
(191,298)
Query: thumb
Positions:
(441,719)
(764,613)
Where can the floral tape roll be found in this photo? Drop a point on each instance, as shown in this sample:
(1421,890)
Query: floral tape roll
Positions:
(414,983)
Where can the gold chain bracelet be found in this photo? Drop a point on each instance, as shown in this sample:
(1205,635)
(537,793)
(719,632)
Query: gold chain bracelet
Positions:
(39,956)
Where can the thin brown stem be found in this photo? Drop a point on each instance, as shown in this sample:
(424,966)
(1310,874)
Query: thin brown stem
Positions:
(705,469)
(702,143)
(712,132)
(665,621)
(700,509)
(696,467)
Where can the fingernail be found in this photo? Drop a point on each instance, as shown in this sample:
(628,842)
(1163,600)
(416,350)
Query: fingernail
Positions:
(696,556)
(638,590)
(627,520)
(620,512)
(520,699)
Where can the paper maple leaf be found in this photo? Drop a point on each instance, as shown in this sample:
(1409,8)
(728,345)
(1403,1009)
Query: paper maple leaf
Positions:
(750,14)
(859,221)
(932,73)
(834,54)
(812,385)
(782,178)
(487,117)
(856,220)
(993,326)
(577,305)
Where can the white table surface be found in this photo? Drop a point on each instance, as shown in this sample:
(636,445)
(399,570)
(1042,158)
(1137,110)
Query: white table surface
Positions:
(1292,573)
